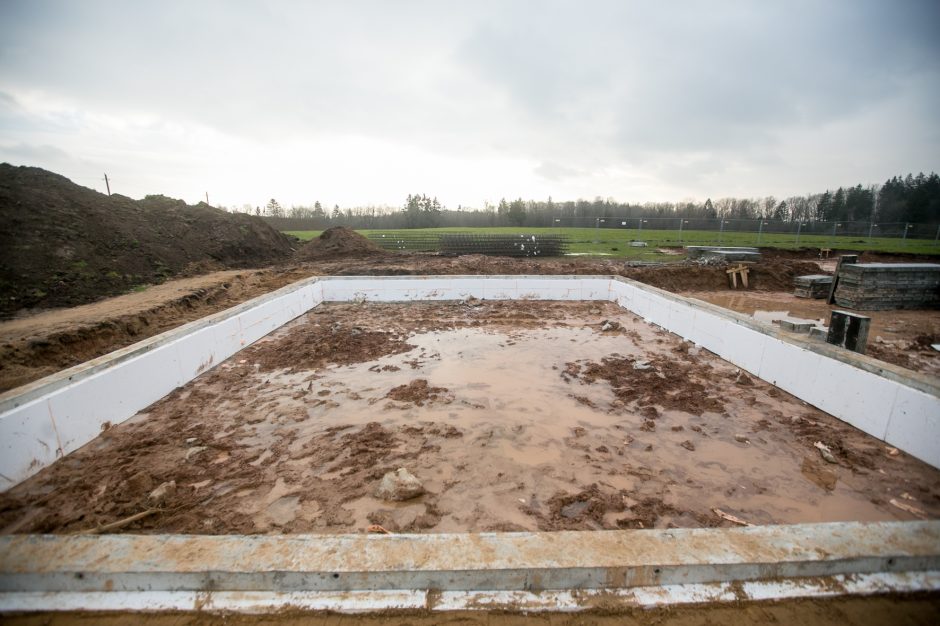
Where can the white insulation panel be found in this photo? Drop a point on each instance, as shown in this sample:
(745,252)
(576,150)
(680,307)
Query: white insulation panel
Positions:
(69,409)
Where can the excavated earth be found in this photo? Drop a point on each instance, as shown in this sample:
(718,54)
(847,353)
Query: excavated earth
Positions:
(40,343)
(513,415)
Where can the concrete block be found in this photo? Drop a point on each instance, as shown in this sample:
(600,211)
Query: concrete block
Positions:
(796,327)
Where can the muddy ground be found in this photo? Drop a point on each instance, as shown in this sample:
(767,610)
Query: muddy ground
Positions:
(900,337)
(514,415)
(62,244)
(40,343)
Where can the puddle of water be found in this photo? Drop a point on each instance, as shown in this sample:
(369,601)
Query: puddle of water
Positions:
(777,316)
(518,416)
(525,434)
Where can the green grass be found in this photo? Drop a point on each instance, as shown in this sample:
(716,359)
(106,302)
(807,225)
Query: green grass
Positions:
(615,242)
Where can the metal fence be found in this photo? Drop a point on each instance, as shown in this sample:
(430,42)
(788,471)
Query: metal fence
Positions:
(761,230)
(455,244)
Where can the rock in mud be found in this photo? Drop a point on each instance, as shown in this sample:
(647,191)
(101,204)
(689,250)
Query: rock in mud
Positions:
(610,325)
(399,485)
(159,495)
(193,451)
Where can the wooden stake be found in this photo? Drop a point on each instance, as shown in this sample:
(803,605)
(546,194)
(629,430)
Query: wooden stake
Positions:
(121,523)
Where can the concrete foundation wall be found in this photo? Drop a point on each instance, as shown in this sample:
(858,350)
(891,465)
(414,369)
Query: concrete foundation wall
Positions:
(902,411)
(50,418)
(54,416)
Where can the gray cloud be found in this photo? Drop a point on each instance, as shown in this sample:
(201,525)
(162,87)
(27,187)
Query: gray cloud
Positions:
(682,92)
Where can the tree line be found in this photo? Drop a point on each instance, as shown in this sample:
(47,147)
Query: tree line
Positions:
(914,199)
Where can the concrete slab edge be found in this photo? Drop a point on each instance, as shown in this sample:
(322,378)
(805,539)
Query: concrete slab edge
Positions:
(452,601)
(518,571)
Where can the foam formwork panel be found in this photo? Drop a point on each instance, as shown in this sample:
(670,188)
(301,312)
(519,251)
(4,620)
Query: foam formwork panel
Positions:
(71,408)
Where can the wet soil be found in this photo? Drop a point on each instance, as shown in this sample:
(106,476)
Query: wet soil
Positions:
(40,343)
(335,243)
(514,416)
(899,337)
(65,245)
(46,342)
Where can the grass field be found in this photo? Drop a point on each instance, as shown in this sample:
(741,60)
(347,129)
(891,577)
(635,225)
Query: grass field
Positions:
(615,242)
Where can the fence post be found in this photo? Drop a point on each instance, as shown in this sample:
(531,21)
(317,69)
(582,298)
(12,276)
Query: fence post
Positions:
(721,231)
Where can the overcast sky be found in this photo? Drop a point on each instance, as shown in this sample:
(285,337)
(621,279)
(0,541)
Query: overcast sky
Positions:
(365,102)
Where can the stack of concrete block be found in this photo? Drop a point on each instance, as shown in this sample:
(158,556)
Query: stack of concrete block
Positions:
(883,286)
(812,286)
(719,253)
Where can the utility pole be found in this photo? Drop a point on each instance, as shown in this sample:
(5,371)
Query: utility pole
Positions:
(107,184)
(207,197)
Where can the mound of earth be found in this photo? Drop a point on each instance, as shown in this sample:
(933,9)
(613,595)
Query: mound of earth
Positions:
(64,244)
(337,242)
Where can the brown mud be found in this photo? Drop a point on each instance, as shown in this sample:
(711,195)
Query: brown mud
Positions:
(337,242)
(902,338)
(514,415)
(44,343)
(40,343)
(65,245)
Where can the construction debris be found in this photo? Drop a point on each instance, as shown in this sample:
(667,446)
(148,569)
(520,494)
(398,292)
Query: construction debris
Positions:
(731,518)
(726,253)
(119,524)
(825,452)
(814,286)
(883,286)
(913,510)
(399,485)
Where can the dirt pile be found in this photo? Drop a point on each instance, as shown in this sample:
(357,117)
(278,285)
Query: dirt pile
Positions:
(768,275)
(42,344)
(309,347)
(418,392)
(336,243)
(640,384)
(64,244)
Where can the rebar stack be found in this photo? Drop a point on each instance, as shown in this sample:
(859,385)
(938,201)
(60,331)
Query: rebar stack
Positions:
(455,244)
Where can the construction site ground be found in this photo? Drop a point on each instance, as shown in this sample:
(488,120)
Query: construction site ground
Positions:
(515,416)
(40,342)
